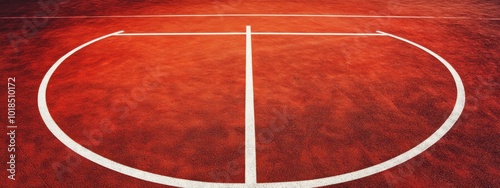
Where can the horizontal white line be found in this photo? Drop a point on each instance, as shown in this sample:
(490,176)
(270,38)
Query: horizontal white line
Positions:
(181,34)
(253,33)
(319,34)
(251,15)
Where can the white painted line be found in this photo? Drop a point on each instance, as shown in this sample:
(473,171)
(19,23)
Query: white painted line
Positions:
(317,34)
(431,140)
(460,102)
(181,34)
(96,158)
(252,15)
(253,33)
(250,140)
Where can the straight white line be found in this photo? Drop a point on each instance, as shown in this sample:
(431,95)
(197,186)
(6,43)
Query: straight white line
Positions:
(250,143)
(253,33)
(251,15)
(180,34)
(318,34)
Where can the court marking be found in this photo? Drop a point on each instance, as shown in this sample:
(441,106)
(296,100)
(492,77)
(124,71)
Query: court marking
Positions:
(94,157)
(165,180)
(431,140)
(254,15)
(252,33)
(250,140)
(317,34)
(182,34)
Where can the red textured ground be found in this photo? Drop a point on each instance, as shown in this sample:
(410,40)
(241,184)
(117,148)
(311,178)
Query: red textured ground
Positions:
(324,105)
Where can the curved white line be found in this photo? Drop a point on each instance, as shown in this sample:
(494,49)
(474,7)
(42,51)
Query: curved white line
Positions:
(84,152)
(447,125)
(165,180)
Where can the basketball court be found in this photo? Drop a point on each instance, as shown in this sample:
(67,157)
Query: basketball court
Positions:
(250,94)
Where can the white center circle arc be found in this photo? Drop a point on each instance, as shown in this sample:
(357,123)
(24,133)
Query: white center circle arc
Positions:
(166,180)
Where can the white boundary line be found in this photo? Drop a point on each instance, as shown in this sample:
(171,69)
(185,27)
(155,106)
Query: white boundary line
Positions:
(182,34)
(317,34)
(252,15)
(431,140)
(250,140)
(96,158)
(252,33)
(250,154)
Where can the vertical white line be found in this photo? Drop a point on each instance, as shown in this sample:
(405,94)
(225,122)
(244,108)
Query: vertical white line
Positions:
(250,149)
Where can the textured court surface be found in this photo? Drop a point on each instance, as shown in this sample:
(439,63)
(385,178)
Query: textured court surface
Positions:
(251,93)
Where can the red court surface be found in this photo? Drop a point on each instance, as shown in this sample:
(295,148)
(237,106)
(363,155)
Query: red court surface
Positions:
(250,93)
